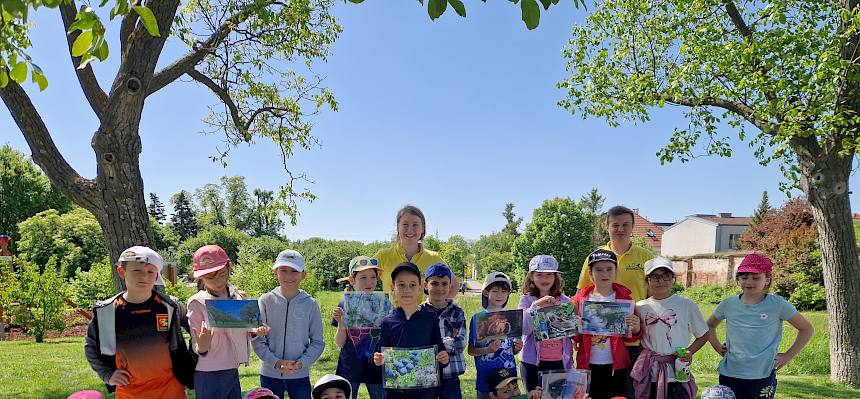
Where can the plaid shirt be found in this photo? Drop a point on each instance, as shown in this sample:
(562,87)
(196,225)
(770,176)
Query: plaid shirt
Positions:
(452,326)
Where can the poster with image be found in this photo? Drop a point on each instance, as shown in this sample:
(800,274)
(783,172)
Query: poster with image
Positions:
(233,313)
(499,325)
(606,318)
(553,322)
(365,309)
(562,384)
(410,368)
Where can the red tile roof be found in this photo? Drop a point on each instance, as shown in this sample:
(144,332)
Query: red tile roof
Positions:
(642,227)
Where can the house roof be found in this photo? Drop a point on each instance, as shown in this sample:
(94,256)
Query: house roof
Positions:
(728,221)
(651,232)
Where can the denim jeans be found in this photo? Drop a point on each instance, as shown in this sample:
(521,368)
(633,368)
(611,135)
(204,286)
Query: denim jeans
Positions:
(450,388)
(223,384)
(296,388)
(374,390)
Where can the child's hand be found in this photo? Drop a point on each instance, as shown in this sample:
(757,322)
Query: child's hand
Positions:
(261,331)
(442,357)
(722,349)
(293,366)
(633,323)
(119,378)
(337,315)
(535,393)
(494,346)
(546,301)
(781,360)
(688,358)
(281,365)
(378,358)
(203,336)
(518,346)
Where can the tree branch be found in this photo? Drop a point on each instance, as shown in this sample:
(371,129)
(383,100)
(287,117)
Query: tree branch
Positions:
(738,19)
(187,63)
(44,152)
(741,110)
(86,77)
(223,95)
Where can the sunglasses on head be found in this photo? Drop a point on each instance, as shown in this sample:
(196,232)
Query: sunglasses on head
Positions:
(365,262)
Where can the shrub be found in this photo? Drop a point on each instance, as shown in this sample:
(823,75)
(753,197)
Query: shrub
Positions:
(332,261)
(253,275)
(226,237)
(808,296)
(501,262)
(94,285)
(710,293)
(35,298)
(181,291)
(75,238)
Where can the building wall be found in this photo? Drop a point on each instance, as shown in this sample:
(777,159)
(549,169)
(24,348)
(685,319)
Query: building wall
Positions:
(693,272)
(724,236)
(689,237)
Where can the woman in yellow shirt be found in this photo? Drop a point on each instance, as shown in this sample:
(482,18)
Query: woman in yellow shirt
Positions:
(411,228)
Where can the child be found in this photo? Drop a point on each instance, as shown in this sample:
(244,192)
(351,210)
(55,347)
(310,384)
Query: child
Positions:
(134,341)
(754,330)
(670,322)
(606,357)
(504,386)
(260,393)
(452,327)
(498,354)
(286,355)
(409,326)
(543,286)
(220,350)
(357,351)
(332,387)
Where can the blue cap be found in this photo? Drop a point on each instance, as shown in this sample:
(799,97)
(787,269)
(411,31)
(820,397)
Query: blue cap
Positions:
(438,269)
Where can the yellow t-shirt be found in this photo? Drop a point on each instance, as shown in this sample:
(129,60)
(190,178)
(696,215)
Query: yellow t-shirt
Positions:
(389,258)
(631,271)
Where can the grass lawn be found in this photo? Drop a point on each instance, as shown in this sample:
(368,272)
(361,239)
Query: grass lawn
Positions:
(56,368)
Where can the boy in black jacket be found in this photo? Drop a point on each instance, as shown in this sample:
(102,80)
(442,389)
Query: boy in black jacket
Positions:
(409,326)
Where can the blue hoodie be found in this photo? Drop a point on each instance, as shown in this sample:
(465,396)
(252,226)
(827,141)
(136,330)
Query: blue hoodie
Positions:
(297,333)
(422,329)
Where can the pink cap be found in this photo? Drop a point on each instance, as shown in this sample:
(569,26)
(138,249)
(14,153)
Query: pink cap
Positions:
(755,263)
(86,395)
(258,393)
(209,259)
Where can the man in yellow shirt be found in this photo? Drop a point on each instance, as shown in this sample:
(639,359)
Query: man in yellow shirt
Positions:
(631,265)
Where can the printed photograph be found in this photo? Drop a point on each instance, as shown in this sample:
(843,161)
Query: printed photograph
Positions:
(555,322)
(365,309)
(499,325)
(233,313)
(410,368)
(562,384)
(606,318)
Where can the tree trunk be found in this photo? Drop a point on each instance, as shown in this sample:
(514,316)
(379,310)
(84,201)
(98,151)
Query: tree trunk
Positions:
(824,179)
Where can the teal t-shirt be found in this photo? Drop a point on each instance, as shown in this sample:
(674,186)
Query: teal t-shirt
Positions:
(753,333)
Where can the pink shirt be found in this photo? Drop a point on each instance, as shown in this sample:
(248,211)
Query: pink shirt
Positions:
(552,349)
(229,347)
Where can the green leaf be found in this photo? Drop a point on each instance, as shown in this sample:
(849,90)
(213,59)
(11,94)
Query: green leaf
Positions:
(19,72)
(148,20)
(356,1)
(4,78)
(531,13)
(546,4)
(40,79)
(458,7)
(102,51)
(82,43)
(86,60)
(436,8)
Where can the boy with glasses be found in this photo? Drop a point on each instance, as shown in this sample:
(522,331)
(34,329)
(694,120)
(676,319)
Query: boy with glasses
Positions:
(669,322)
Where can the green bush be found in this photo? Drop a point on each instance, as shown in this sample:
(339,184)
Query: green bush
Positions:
(226,237)
(500,262)
(710,293)
(265,248)
(181,291)
(332,261)
(75,238)
(253,275)
(808,296)
(34,298)
(94,285)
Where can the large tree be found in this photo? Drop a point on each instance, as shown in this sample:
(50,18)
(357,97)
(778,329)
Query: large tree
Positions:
(782,74)
(238,49)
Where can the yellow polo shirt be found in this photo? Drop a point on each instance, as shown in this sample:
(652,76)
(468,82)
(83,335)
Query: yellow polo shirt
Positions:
(389,258)
(631,271)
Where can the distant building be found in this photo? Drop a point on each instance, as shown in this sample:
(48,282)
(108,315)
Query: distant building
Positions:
(704,234)
(649,231)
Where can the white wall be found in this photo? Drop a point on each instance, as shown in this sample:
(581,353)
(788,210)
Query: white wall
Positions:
(689,237)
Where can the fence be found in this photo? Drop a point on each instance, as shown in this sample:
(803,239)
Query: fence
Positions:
(705,269)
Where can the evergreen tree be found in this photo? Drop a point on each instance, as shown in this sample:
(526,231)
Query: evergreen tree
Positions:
(762,210)
(156,209)
(513,221)
(183,221)
(592,202)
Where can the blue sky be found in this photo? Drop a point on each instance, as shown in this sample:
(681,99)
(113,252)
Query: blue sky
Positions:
(457,116)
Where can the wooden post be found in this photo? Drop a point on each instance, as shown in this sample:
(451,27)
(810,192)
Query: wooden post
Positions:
(689,281)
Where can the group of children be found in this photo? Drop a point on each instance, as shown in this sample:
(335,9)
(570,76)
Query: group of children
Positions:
(135,341)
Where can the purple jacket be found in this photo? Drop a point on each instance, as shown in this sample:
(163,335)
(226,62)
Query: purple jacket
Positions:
(531,349)
(641,375)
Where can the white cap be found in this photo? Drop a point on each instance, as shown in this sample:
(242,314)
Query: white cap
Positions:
(331,381)
(656,263)
(495,277)
(290,258)
(143,254)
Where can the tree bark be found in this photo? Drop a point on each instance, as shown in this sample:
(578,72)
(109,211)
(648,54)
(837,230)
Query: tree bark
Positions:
(824,179)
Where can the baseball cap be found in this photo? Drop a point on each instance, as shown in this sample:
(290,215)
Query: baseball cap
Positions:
(491,278)
(88,394)
(331,381)
(209,259)
(718,392)
(260,393)
(290,258)
(601,255)
(499,378)
(360,263)
(543,263)
(755,263)
(438,269)
(406,266)
(143,254)
(656,263)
